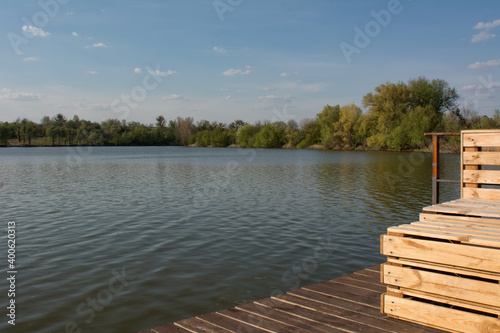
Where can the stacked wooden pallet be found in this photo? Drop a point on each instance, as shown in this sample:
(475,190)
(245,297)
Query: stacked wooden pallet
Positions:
(444,270)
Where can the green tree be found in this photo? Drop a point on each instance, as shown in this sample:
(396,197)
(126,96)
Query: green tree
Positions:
(348,125)
(245,137)
(328,121)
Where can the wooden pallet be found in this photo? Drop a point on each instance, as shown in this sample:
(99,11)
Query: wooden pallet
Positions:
(443,271)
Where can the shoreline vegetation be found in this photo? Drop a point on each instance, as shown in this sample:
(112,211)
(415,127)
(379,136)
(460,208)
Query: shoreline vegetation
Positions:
(396,118)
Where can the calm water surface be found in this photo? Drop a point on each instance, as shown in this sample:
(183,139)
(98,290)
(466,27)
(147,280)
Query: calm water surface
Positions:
(118,239)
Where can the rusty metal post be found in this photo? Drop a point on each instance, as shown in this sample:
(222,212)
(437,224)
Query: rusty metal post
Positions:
(435,169)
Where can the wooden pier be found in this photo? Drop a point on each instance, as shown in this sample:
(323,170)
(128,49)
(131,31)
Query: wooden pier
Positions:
(347,304)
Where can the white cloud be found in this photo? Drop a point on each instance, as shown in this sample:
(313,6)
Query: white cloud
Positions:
(231,72)
(482,36)
(137,70)
(484,65)
(160,73)
(469,87)
(485,34)
(32,59)
(91,72)
(247,71)
(227,98)
(35,31)
(285,74)
(276,99)
(17,96)
(74,34)
(487,25)
(173,97)
(99,45)
(236,71)
(219,49)
(70,13)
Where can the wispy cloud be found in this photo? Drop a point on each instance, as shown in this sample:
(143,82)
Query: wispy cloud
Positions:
(485,34)
(219,49)
(35,31)
(97,45)
(91,72)
(485,64)
(74,34)
(31,59)
(227,98)
(487,25)
(468,87)
(17,96)
(137,70)
(285,74)
(173,97)
(275,99)
(236,71)
(160,73)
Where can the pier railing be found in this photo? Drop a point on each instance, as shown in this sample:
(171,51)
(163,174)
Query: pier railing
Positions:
(435,165)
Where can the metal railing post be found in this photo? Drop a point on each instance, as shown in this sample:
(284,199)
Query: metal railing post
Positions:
(435,165)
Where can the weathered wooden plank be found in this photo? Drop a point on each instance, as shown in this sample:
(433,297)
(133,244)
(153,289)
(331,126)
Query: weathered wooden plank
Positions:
(200,326)
(484,139)
(361,283)
(337,302)
(481,193)
(482,176)
(302,326)
(481,158)
(438,316)
(257,321)
(169,328)
(228,323)
(336,322)
(472,257)
(442,284)
(352,316)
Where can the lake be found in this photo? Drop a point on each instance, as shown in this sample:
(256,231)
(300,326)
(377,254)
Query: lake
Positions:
(118,239)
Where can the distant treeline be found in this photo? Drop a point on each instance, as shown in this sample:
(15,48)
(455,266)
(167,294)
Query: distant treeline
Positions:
(398,115)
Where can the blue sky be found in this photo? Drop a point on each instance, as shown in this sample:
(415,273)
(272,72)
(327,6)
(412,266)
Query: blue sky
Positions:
(223,60)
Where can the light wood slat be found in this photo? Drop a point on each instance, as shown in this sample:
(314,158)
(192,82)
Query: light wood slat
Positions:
(482,176)
(434,315)
(473,203)
(484,139)
(481,158)
(460,228)
(447,268)
(464,239)
(450,301)
(469,211)
(472,257)
(431,218)
(481,193)
(442,284)
(169,328)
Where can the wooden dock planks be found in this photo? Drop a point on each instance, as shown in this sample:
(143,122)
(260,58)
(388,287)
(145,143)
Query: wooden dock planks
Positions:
(347,304)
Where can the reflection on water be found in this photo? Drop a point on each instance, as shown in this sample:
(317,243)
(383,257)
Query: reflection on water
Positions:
(194,230)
